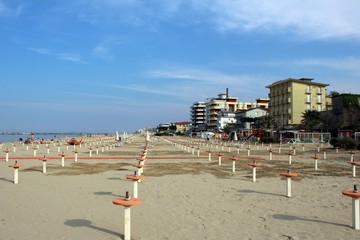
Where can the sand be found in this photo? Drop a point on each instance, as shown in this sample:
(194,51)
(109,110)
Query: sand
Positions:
(184,196)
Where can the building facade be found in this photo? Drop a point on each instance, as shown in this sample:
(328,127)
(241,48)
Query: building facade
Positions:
(254,113)
(215,105)
(290,98)
(346,109)
(225,118)
(260,102)
(198,121)
(182,127)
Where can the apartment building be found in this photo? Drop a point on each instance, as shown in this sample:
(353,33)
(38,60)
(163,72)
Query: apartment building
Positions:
(197,112)
(215,105)
(289,98)
(225,118)
(182,127)
(260,102)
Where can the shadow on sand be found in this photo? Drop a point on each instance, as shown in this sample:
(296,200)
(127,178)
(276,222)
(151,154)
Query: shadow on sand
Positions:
(264,193)
(6,180)
(88,224)
(102,193)
(291,218)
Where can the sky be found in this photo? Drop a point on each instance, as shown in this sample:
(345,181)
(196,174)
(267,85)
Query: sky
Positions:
(122,65)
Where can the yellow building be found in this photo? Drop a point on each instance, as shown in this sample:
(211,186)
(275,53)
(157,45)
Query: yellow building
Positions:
(290,98)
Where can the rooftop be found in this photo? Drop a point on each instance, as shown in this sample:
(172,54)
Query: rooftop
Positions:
(300,80)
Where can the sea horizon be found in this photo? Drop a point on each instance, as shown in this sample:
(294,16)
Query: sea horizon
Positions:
(15,137)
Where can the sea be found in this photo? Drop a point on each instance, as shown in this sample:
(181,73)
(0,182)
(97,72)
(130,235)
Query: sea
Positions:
(40,136)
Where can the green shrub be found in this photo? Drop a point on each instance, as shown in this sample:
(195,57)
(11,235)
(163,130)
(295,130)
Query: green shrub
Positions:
(267,140)
(348,143)
(335,142)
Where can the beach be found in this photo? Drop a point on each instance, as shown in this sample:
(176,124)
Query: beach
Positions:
(184,196)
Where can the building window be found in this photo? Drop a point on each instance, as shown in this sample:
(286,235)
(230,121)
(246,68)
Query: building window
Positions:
(319,99)
(319,90)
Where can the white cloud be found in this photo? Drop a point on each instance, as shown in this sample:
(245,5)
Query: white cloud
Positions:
(3,9)
(102,52)
(200,75)
(198,84)
(319,19)
(104,49)
(75,58)
(8,11)
(70,57)
(163,90)
(307,19)
(43,51)
(345,64)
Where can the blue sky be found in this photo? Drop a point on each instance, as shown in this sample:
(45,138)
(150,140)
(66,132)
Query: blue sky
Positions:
(107,65)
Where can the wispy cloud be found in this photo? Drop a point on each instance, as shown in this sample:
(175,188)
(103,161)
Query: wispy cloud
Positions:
(345,64)
(164,90)
(200,75)
(319,19)
(104,49)
(43,51)
(3,8)
(200,83)
(128,104)
(102,52)
(74,58)
(308,19)
(10,11)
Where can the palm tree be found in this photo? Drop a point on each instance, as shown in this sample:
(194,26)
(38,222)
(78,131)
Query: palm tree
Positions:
(310,118)
(267,122)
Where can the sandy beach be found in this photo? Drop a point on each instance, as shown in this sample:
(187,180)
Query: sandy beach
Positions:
(185,196)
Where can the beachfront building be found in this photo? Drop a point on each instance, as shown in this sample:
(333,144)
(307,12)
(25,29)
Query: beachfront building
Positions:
(346,110)
(260,102)
(247,118)
(215,105)
(205,115)
(225,118)
(182,127)
(289,98)
(197,116)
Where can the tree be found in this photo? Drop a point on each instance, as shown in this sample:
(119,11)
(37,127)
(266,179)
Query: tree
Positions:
(267,122)
(230,127)
(310,118)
